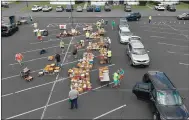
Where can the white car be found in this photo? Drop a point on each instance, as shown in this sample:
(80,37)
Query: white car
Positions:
(137,53)
(124,35)
(47,8)
(160,7)
(36,8)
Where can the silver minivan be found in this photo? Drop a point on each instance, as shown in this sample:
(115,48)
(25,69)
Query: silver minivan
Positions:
(124,35)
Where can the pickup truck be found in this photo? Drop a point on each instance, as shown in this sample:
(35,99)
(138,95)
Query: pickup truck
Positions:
(36,8)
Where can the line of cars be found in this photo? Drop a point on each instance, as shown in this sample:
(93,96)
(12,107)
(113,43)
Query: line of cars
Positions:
(155,88)
(70,8)
(135,50)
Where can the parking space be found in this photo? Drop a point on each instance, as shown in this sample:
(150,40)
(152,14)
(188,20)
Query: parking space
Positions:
(167,53)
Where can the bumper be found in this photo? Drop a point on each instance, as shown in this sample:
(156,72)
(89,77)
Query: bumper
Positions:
(124,42)
(127,10)
(135,63)
(68,10)
(46,10)
(97,10)
(79,10)
(35,10)
(160,9)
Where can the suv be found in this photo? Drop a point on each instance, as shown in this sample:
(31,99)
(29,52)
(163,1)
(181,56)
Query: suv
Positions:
(127,8)
(107,8)
(69,8)
(124,35)
(5,4)
(159,7)
(171,8)
(165,99)
(8,29)
(90,8)
(135,16)
(59,8)
(137,53)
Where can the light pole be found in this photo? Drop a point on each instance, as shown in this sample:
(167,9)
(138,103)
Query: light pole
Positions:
(71,14)
(26,3)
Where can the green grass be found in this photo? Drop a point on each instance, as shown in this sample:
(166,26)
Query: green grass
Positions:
(46,3)
(182,6)
(139,7)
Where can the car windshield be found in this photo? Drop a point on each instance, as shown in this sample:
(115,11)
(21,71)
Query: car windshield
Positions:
(184,14)
(169,98)
(34,6)
(78,7)
(59,7)
(135,38)
(128,6)
(45,6)
(139,51)
(126,33)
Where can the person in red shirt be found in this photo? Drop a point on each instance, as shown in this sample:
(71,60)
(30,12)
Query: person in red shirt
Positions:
(19,57)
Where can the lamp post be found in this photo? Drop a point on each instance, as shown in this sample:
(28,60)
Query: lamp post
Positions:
(71,13)
(26,3)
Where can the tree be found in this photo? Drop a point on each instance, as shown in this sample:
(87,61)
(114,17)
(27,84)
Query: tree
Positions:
(142,3)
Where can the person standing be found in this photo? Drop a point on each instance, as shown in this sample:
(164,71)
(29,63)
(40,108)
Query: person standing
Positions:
(58,60)
(87,34)
(62,45)
(75,52)
(39,37)
(113,24)
(120,73)
(109,54)
(116,79)
(150,19)
(73,96)
(19,57)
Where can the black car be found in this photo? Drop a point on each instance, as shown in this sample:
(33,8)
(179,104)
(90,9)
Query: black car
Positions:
(135,16)
(5,4)
(8,29)
(90,8)
(107,8)
(171,8)
(164,98)
(184,16)
(69,8)
(127,8)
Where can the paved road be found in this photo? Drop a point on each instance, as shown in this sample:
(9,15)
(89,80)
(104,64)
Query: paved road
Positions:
(165,38)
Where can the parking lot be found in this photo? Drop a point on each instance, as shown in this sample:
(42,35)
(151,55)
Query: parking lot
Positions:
(47,97)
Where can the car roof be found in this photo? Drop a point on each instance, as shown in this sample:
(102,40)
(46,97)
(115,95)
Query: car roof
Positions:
(160,80)
(125,29)
(136,44)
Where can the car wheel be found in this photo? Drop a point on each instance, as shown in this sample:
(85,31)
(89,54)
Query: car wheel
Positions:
(17,28)
(45,33)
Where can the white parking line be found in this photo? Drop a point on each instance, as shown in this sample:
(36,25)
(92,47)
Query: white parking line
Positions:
(186,64)
(35,71)
(162,32)
(109,112)
(178,53)
(172,44)
(58,39)
(59,80)
(41,58)
(169,38)
(54,103)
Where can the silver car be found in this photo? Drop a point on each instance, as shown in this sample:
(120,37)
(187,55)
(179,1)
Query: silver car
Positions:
(79,9)
(137,53)
(124,35)
(134,38)
(59,9)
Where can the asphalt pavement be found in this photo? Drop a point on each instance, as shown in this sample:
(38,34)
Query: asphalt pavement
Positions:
(166,38)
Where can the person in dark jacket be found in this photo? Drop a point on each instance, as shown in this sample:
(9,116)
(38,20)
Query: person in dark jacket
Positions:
(75,52)
(58,60)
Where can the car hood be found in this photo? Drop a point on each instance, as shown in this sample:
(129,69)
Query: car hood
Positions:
(125,37)
(173,112)
(140,57)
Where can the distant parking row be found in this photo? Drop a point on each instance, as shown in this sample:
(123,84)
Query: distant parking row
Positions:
(70,8)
